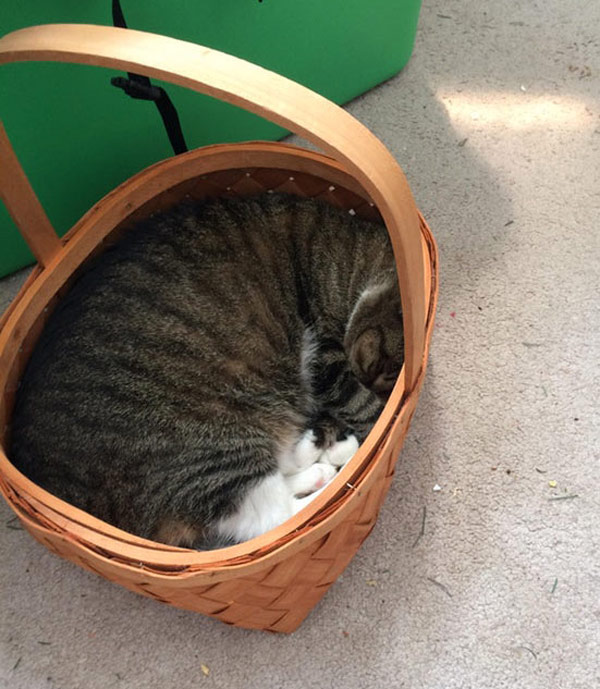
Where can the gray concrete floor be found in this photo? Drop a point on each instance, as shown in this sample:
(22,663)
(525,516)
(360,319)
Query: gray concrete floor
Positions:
(496,122)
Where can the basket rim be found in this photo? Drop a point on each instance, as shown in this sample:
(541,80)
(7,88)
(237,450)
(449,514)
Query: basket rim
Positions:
(317,518)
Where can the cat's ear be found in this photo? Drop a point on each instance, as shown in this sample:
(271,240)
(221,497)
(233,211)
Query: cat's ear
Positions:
(365,355)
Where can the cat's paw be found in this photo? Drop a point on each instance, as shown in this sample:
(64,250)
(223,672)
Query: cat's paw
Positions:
(311,479)
(306,451)
(301,455)
(341,452)
(327,431)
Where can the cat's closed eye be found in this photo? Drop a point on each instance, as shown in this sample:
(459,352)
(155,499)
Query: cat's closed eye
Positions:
(384,383)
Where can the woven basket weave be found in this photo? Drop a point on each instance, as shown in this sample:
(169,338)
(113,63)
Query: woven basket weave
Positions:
(273,581)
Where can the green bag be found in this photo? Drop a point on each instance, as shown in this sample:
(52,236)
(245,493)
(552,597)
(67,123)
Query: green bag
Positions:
(78,137)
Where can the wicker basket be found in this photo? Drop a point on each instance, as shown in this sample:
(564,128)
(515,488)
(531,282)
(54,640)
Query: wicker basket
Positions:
(272,581)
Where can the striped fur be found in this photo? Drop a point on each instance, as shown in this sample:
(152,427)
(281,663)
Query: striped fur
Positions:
(188,357)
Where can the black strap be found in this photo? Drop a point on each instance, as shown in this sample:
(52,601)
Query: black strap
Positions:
(140,87)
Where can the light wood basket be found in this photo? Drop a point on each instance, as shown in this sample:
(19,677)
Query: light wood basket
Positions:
(273,581)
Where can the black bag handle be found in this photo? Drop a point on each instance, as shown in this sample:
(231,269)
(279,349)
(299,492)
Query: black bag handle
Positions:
(141,88)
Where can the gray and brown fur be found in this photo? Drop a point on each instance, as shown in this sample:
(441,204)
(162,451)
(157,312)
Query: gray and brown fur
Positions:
(208,338)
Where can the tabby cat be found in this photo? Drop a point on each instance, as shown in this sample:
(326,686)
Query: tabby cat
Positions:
(212,370)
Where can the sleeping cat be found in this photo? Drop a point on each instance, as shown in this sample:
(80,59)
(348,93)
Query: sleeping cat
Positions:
(206,375)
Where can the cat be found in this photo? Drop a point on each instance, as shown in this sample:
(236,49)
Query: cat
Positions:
(209,373)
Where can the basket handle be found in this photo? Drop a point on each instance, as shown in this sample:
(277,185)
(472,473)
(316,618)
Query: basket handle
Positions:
(273,97)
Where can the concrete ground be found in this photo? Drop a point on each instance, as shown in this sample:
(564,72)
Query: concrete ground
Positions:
(496,122)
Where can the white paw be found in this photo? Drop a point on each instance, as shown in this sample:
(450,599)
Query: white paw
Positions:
(311,479)
(300,455)
(306,451)
(340,453)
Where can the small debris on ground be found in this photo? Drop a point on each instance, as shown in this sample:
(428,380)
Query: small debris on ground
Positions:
(422,532)
(14,524)
(371,582)
(554,585)
(526,648)
(205,669)
(552,484)
(440,586)
(462,142)
(584,71)
(437,488)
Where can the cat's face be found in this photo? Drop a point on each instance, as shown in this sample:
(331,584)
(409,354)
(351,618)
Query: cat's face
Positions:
(374,339)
